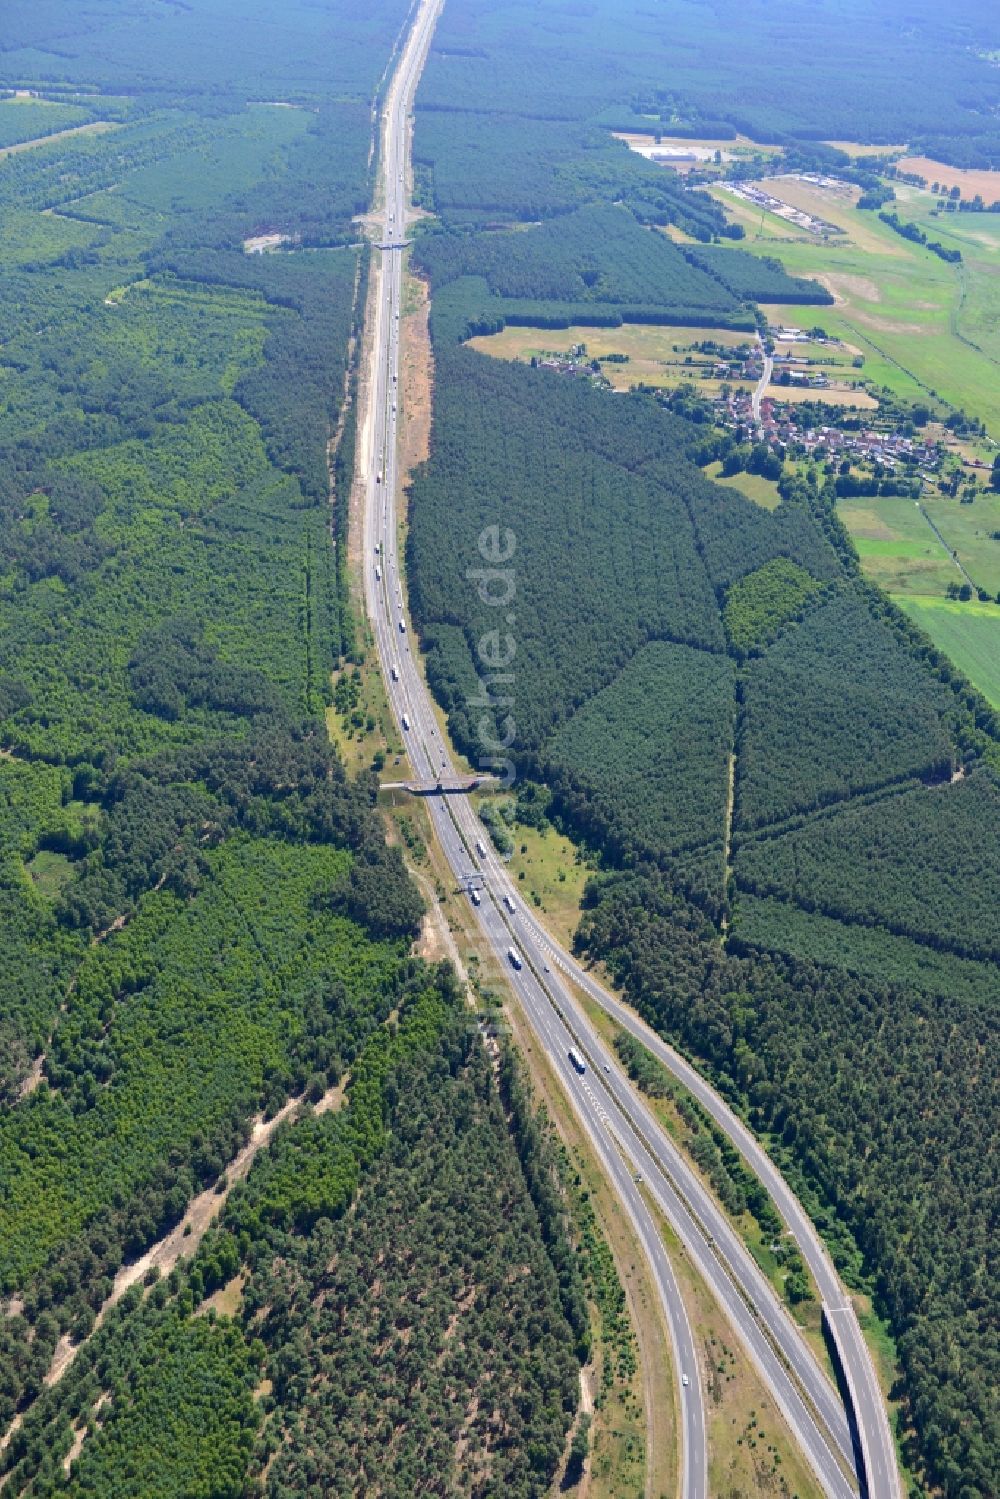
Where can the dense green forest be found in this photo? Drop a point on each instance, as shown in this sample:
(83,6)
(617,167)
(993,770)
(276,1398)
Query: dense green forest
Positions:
(596,254)
(647,622)
(644,764)
(897,73)
(754,278)
(511,169)
(203,922)
(837,706)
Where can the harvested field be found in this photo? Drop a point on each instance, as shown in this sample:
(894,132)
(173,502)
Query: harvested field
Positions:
(968,182)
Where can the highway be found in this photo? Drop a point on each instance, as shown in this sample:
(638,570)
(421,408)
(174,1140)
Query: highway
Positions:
(627,1137)
(429,757)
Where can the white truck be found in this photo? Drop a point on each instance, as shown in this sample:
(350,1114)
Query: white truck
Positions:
(406,723)
(508,901)
(402,627)
(480,850)
(514,957)
(476,897)
(394,673)
(577,1060)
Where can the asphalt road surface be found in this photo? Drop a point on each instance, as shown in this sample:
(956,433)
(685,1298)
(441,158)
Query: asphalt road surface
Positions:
(764,381)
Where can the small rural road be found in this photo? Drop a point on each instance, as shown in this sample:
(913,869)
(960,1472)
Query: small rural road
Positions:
(763,382)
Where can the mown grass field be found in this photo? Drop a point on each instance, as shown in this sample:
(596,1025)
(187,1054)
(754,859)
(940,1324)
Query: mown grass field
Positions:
(900,551)
(762,491)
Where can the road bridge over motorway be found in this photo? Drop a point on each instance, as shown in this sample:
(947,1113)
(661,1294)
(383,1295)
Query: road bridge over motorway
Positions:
(443,786)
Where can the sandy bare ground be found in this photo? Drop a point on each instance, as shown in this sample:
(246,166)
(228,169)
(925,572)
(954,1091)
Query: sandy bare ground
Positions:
(436,940)
(181,1240)
(33,1078)
(844,284)
(95,127)
(187,1235)
(417,375)
(355,538)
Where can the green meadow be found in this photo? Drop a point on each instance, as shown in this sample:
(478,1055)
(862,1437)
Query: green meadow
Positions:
(900,550)
(969,633)
(898,547)
(970,531)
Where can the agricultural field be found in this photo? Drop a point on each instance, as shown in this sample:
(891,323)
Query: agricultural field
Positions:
(650,353)
(970,531)
(970,183)
(904,554)
(664,356)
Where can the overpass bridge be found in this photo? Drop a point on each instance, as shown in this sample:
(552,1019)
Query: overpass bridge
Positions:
(443,786)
